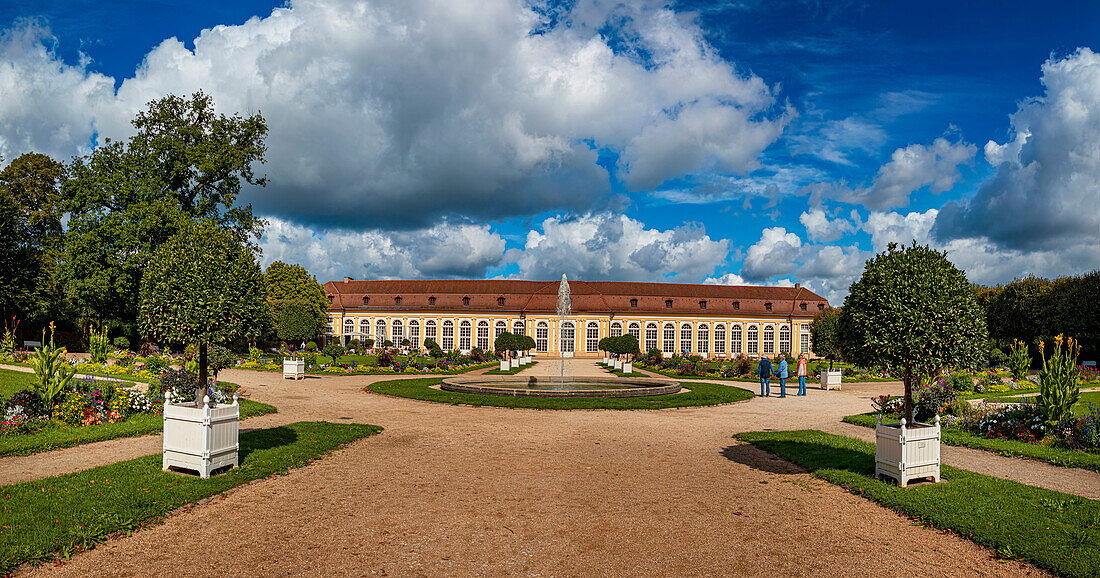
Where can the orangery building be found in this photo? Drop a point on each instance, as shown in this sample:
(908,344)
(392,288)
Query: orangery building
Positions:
(716,321)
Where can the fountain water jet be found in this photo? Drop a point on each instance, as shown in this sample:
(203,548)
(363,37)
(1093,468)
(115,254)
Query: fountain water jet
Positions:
(565,306)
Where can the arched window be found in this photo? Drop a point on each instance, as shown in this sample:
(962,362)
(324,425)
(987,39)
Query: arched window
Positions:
(592,337)
(754,340)
(483,334)
(398,332)
(568,337)
(448,335)
(364,328)
(720,338)
(349,326)
(502,326)
(429,330)
(769,340)
(785,338)
(635,330)
(542,337)
(735,339)
(518,328)
(668,339)
(379,332)
(616,329)
(804,338)
(414,333)
(464,335)
(328,326)
(650,336)
(685,337)
(702,339)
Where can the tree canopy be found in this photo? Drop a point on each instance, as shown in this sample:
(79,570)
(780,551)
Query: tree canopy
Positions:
(824,332)
(296,322)
(914,313)
(202,286)
(127,198)
(292,287)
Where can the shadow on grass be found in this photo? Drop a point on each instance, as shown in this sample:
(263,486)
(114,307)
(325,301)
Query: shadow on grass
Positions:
(758,459)
(821,452)
(264,439)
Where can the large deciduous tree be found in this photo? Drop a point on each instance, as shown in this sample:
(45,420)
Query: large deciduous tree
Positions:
(127,198)
(298,303)
(202,286)
(913,312)
(30,238)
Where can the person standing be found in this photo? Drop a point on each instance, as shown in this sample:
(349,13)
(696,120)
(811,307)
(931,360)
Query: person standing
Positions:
(801,374)
(782,373)
(765,371)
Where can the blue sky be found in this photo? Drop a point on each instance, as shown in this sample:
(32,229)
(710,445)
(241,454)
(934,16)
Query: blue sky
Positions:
(733,142)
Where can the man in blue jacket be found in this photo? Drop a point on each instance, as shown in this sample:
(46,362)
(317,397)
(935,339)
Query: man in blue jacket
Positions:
(765,371)
(782,373)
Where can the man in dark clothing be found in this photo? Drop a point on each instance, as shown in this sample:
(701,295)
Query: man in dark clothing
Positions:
(765,371)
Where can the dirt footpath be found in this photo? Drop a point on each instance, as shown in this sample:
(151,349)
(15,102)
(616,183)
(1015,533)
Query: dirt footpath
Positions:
(447,491)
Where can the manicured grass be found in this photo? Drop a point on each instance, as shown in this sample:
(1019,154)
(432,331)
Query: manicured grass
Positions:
(1079,408)
(511,371)
(62,436)
(1063,457)
(67,513)
(1050,529)
(700,394)
(12,382)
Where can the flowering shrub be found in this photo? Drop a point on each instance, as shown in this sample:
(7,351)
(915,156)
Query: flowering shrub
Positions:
(888,405)
(139,402)
(30,403)
(1083,432)
(933,399)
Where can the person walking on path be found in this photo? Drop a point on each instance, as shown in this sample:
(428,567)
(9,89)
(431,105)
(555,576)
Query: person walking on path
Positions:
(801,371)
(782,373)
(765,371)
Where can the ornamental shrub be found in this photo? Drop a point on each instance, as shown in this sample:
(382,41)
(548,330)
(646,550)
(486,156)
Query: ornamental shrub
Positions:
(997,357)
(477,355)
(436,352)
(384,359)
(181,383)
(961,382)
(121,342)
(334,351)
(312,346)
(97,346)
(155,364)
(933,399)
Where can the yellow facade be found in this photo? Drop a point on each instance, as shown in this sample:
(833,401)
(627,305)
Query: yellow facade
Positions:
(705,335)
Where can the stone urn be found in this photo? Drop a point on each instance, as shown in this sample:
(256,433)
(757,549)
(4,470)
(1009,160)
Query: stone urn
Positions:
(907,452)
(201,438)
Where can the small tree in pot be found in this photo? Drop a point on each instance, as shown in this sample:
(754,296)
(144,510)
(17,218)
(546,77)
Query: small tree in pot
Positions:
(825,336)
(201,286)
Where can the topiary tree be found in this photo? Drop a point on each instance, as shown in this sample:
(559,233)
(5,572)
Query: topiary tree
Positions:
(296,322)
(824,333)
(429,344)
(914,313)
(506,343)
(201,286)
(334,350)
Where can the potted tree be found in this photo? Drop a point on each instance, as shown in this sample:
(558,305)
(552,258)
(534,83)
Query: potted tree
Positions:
(823,333)
(503,345)
(603,347)
(628,345)
(913,312)
(201,286)
(528,343)
(295,322)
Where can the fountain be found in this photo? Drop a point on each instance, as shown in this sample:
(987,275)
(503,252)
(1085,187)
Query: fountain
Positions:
(565,306)
(532,386)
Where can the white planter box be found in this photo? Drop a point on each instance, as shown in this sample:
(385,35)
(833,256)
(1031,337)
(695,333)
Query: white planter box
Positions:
(294,368)
(617,363)
(514,362)
(628,367)
(527,360)
(831,379)
(504,365)
(200,438)
(606,361)
(907,453)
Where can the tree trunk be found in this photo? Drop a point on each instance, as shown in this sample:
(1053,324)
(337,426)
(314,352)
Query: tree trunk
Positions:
(909,396)
(200,387)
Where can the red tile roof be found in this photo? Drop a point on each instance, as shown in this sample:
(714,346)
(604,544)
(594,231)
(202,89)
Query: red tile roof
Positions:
(602,297)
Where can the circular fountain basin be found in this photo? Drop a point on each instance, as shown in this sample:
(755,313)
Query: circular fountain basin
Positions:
(513,386)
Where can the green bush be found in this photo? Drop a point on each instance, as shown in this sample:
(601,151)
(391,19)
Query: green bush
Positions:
(961,382)
(1019,361)
(97,346)
(121,342)
(997,357)
(334,351)
(312,346)
(155,364)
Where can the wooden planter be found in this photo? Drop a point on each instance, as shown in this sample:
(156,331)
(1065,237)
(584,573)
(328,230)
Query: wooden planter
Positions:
(294,368)
(628,367)
(202,439)
(514,362)
(831,379)
(617,363)
(526,360)
(907,452)
(504,365)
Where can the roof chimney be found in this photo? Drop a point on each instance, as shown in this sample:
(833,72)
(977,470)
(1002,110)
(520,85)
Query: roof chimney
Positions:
(796,285)
(346,279)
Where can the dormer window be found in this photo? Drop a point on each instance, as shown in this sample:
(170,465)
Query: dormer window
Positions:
(466,301)
(668,303)
(397,300)
(634,303)
(366,300)
(820,306)
(736,305)
(803,306)
(703,304)
(431,300)
(330,298)
(767,307)
(500,301)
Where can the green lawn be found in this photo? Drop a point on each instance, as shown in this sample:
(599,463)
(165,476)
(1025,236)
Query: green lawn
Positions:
(1050,529)
(1079,408)
(1063,457)
(700,394)
(511,371)
(64,514)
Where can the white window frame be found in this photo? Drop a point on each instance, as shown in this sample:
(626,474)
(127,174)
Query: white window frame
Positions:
(592,337)
(668,338)
(753,339)
(767,338)
(465,333)
(542,337)
(448,335)
(702,339)
(483,335)
(650,336)
(720,338)
(568,344)
(414,333)
(686,335)
(736,339)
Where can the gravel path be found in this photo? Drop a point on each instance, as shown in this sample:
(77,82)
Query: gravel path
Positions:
(448,490)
